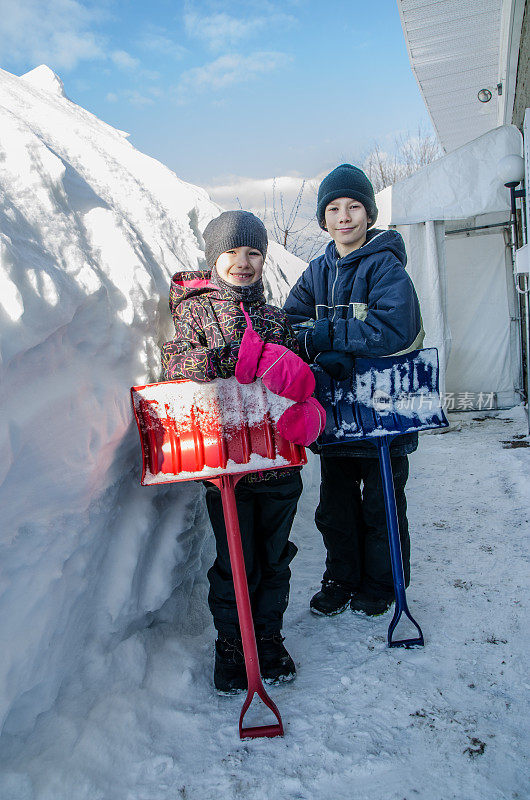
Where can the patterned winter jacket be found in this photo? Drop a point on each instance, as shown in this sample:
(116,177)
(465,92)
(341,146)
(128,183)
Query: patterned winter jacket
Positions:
(209,326)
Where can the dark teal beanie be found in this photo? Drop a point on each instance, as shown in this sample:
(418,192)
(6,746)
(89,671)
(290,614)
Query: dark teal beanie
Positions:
(346,181)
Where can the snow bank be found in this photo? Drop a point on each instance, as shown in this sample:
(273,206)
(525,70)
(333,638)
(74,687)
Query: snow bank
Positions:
(91,231)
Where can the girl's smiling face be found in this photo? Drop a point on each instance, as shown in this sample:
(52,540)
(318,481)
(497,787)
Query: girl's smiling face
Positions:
(240,266)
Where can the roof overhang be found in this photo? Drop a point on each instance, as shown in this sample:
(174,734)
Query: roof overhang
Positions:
(456,49)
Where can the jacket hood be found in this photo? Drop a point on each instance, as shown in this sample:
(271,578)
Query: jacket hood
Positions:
(377,241)
(194,283)
(189,284)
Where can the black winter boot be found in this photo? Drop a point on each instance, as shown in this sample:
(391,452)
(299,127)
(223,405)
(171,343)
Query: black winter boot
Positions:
(230,675)
(370,606)
(332,599)
(276,665)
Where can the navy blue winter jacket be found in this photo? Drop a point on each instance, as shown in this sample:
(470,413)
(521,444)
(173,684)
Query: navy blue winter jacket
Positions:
(372,306)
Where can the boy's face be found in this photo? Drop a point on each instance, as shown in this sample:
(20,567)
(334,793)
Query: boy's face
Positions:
(346,221)
(240,266)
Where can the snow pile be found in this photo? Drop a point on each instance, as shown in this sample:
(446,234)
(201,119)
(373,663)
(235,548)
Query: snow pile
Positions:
(91,231)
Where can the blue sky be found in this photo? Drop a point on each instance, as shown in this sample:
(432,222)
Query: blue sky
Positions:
(222,90)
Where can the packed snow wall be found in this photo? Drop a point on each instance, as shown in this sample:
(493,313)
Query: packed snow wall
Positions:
(91,231)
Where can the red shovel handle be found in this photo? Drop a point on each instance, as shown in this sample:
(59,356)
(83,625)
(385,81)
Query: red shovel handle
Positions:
(261,730)
(226,484)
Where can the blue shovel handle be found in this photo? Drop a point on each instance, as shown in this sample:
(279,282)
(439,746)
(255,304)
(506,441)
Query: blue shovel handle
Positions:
(396,558)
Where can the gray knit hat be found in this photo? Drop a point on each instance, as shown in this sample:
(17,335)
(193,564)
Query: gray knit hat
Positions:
(233,229)
(346,181)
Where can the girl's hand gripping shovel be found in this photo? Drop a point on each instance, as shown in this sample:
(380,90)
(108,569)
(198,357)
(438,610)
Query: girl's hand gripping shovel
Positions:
(227,484)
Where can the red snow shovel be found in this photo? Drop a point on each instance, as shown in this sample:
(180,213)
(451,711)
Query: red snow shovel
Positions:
(218,431)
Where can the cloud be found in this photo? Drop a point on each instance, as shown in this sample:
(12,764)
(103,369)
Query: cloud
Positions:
(58,33)
(222,30)
(228,70)
(137,99)
(219,30)
(124,60)
(158,41)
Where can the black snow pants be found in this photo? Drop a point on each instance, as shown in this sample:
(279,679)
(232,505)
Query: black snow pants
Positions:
(352,521)
(266,512)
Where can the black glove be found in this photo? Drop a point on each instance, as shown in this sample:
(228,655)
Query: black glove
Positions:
(315,338)
(339,366)
(322,335)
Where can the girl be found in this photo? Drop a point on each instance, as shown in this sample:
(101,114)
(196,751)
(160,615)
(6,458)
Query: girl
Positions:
(209,325)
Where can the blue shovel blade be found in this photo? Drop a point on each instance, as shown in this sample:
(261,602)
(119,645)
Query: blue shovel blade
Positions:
(399,394)
(384,396)
(337,397)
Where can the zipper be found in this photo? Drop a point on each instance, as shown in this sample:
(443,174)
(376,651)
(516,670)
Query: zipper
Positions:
(333,288)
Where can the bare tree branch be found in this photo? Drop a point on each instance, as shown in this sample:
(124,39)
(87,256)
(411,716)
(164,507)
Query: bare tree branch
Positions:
(290,226)
(409,154)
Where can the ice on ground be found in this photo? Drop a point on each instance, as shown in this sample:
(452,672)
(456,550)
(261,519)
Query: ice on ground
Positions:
(91,231)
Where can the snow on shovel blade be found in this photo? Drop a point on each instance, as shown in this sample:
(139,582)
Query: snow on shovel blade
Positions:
(399,394)
(196,431)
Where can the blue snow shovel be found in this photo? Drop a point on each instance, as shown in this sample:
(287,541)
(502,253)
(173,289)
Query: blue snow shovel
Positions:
(385,397)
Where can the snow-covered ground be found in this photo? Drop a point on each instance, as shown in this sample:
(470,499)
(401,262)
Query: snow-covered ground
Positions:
(362,721)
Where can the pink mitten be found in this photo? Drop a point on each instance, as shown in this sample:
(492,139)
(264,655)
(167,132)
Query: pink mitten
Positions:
(249,353)
(284,373)
(303,422)
(248,357)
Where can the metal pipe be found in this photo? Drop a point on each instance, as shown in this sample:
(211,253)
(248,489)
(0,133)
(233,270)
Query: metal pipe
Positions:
(527,325)
(524,290)
(478,228)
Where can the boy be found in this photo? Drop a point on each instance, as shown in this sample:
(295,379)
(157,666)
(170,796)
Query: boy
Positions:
(356,300)
(209,324)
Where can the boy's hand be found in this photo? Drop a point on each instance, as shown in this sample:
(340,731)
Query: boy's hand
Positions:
(314,338)
(322,336)
(339,366)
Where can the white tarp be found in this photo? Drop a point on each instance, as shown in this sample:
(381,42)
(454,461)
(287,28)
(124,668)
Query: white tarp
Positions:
(482,358)
(462,283)
(460,185)
(426,267)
